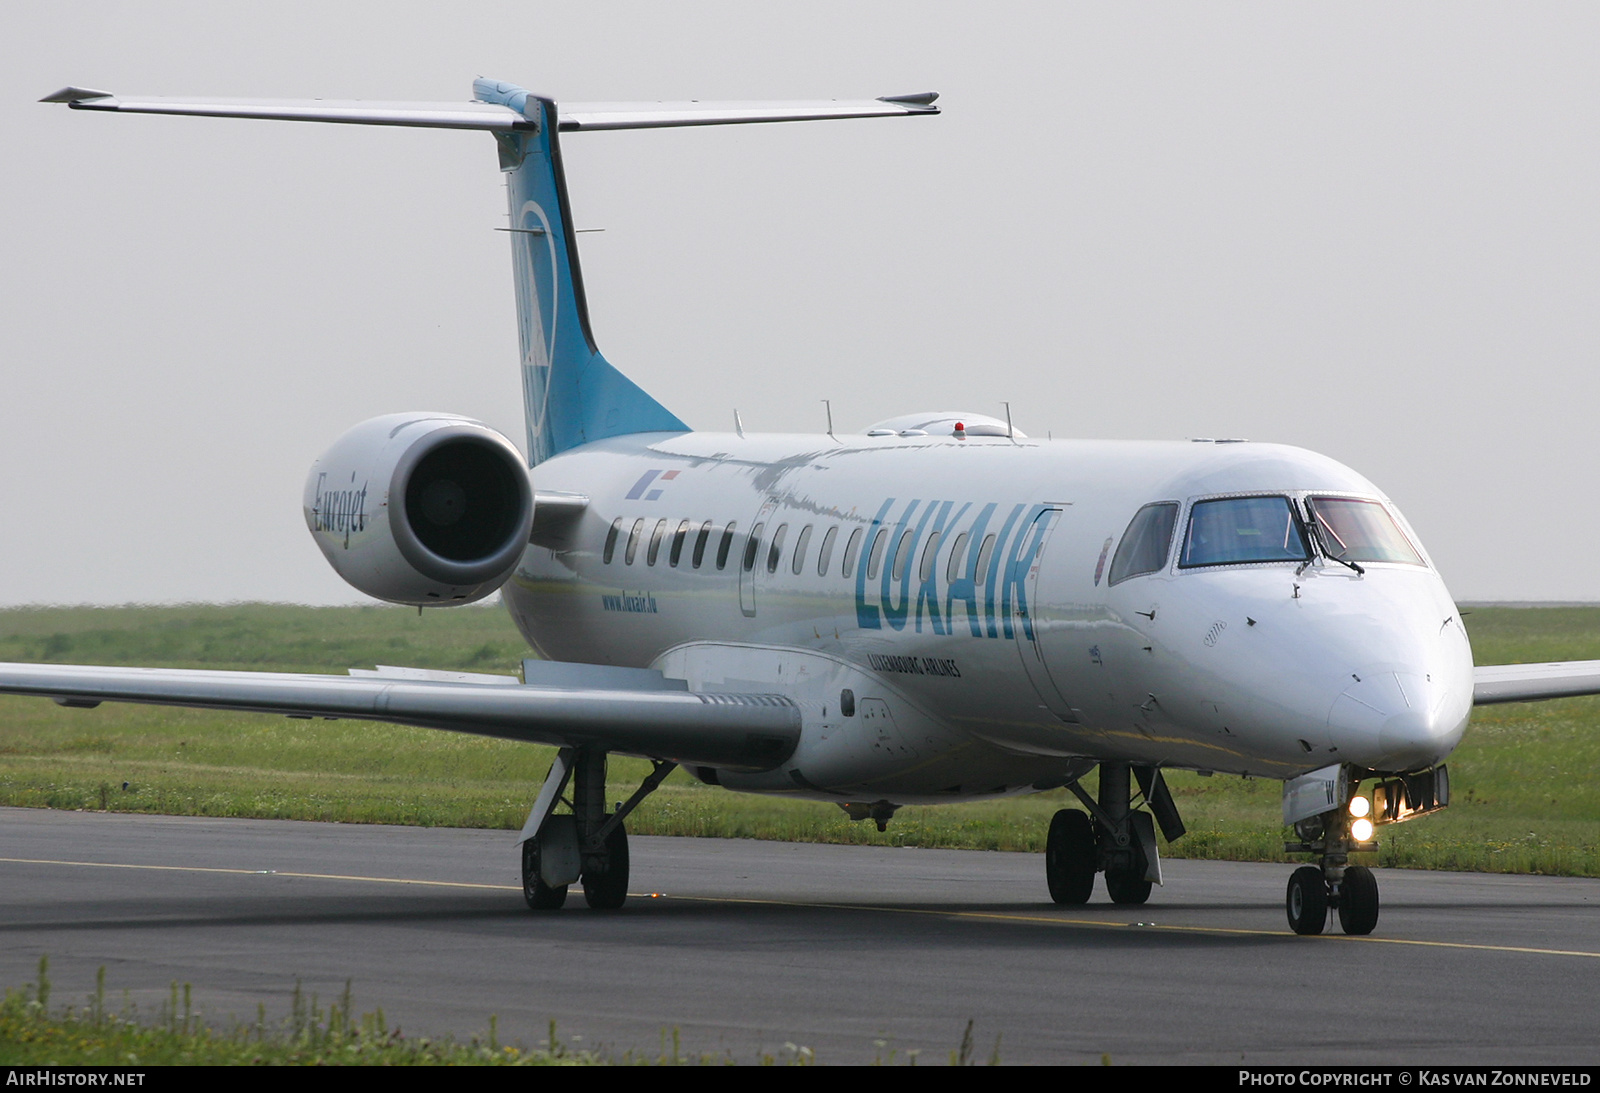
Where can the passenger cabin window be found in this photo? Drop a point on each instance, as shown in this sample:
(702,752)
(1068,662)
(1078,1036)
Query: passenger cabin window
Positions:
(825,554)
(655,542)
(848,565)
(677,543)
(1145,544)
(726,545)
(611,539)
(800,545)
(901,550)
(930,555)
(700,543)
(752,547)
(1235,530)
(633,539)
(983,560)
(875,558)
(953,568)
(776,551)
(1359,531)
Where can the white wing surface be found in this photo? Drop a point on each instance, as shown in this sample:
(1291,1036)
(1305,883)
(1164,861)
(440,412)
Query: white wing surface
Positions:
(632,711)
(1531,682)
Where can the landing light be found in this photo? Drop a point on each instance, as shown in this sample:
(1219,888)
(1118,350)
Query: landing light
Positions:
(1359,807)
(1361,830)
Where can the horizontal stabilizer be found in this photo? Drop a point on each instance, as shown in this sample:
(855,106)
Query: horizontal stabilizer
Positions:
(501,118)
(657,115)
(427,115)
(1532,682)
(72,94)
(731,731)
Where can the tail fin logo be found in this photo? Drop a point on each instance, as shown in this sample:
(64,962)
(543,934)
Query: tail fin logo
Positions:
(536,264)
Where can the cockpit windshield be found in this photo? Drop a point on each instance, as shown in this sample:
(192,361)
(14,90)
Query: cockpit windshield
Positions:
(1359,531)
(1235,530)
(1147,543)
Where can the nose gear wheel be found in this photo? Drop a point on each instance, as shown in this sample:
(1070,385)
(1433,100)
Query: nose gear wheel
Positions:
(1307,900)
(1358,901)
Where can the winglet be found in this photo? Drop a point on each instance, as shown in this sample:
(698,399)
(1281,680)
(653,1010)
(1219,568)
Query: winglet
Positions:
(77,94)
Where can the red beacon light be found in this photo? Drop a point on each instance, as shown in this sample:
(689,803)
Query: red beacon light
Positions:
(961,431)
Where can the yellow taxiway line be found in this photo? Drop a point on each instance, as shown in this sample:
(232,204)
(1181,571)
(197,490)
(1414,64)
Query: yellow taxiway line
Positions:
(982,916)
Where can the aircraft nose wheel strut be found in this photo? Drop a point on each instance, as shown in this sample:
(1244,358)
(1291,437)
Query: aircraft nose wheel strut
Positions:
(1332,884)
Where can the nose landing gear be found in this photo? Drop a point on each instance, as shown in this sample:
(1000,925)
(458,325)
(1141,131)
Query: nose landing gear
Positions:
(1311,896)
(1332,834)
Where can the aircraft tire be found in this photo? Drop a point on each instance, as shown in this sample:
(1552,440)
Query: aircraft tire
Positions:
(1128,885)
(609,890)
(1358,901)
(1069,857)
(1307,900)
(540,896)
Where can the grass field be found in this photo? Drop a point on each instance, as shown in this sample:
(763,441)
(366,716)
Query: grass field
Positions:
(1524,801)
(33,1033)
(38,1030)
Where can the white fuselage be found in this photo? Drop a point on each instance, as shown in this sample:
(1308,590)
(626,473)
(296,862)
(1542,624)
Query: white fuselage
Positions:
(1007,669)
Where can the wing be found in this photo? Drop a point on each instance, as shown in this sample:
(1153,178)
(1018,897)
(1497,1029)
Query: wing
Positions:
(629,710)
(1532,682)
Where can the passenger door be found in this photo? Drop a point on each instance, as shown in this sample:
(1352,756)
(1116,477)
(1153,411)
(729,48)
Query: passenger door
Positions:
(752,559)
(1027,620)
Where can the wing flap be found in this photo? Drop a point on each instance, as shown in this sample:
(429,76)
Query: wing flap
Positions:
(731,731)
(1493,683)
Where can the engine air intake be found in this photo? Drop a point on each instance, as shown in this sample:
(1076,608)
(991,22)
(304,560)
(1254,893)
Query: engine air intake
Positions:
(462,501)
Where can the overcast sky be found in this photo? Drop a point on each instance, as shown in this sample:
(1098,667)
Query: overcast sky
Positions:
(1368,229)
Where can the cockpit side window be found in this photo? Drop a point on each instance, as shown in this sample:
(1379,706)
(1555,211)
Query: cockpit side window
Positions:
(1145,544)
(1359,531)
(1235,530)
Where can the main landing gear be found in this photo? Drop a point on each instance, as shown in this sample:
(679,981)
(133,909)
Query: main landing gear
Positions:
(587,844)
(1112,837)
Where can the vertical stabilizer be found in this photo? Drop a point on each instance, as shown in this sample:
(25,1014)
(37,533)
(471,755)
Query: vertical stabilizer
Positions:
(571,394)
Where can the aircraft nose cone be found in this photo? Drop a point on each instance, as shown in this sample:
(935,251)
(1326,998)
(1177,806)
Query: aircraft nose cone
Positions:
(1399,721)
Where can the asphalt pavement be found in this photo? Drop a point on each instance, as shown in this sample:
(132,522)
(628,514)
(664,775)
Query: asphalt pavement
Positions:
(749,948)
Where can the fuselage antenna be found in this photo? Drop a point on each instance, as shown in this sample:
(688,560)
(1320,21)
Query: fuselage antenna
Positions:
(1009,434)
(738,426)
(829,405)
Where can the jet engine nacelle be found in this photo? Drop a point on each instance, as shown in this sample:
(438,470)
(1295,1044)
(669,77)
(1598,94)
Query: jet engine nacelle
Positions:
(421,509)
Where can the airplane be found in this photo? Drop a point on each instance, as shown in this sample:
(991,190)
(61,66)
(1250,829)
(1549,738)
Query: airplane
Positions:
(939,609)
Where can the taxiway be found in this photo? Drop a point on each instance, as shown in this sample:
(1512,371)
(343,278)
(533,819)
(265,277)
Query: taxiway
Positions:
(745,947)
